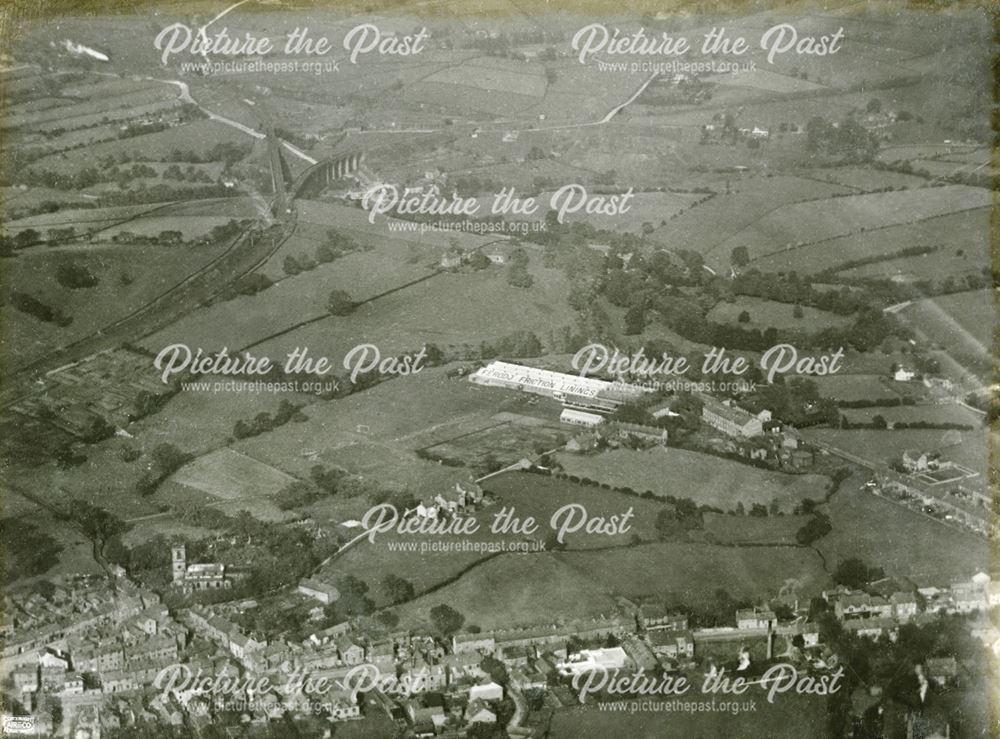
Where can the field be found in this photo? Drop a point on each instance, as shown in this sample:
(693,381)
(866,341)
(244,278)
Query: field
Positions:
(732,529)
(129,277)
(781,230)
(938,413)
(514,589)
(900,541)
(228,475)
(707,480)
(198,137)
(704,227)
(961,322)
(867,179)
(529,496)
(692,573)
(856,387)
(447,309)
(770,313)
(966,230)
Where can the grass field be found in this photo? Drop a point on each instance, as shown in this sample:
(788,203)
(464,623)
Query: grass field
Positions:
(692,573)
(129,277)
(966,230)
(229,475)
(855,387)
(730,529)
(705,479)
(530,496)
(900,541)
(784,227)
(703,228)
(770,313)
(960,322)
(514,589)
(198,136)
(937,413)
(867,179)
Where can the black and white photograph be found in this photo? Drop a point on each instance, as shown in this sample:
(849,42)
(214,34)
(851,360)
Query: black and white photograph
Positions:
(494,369)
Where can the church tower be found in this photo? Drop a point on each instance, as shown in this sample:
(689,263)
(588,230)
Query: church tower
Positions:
(179,563)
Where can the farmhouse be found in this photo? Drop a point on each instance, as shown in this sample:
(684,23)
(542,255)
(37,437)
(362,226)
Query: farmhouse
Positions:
(731,420)
(918,461)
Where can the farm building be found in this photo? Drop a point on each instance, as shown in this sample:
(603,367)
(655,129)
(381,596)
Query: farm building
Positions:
(322,592)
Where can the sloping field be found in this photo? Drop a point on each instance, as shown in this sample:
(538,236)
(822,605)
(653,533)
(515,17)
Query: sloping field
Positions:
(966,230)
(797,223)
(703,228)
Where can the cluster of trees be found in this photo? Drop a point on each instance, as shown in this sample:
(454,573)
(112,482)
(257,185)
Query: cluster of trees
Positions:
(264,422)
(42,311)
(848,140)
(174,172)
(166,459)
(250,284)
(520,343)
(228,152)
(337,245)
(75,276)
(446,619)
(27,550)
(340,303)
(676,520)
(517,271)
(322,482)
(814,529)
(397,589)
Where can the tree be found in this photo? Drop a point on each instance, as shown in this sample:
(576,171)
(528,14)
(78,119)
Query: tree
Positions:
(339,303)
(324,254)
(446,619)
(879,422)
(169,458)
(290,266)
(744,317)
(75,276)
(397,589)
(635,320)
(797,311)
(477,261)
(854,573)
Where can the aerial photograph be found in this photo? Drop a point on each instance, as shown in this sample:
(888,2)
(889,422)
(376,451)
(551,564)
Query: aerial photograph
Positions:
(492,369)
